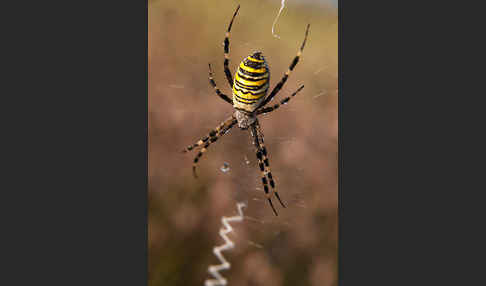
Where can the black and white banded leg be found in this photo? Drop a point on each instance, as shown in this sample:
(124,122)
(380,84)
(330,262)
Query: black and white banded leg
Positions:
(254,134)
(218,92)
(226,50)
(264,155)
(279,85)
(212,133)
(277,105)
(228,124)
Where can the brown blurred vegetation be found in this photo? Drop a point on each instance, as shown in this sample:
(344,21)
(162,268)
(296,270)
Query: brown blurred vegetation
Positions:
(299,247)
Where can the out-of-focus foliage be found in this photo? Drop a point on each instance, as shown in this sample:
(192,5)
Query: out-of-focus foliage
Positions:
(299,247)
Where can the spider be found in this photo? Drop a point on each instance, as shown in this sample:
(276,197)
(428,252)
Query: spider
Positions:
(249,89)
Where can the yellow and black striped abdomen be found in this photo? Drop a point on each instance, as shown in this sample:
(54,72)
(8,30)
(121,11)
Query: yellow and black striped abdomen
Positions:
(251,82)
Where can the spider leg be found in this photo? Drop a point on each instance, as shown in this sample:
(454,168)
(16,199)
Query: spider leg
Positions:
(284,101)
(218,92)
(226,50)
(232,121)
(212,133)
(279,85)
(267,163)
(254,134)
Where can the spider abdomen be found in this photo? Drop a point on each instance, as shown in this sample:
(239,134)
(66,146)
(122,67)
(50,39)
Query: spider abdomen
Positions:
(251,82)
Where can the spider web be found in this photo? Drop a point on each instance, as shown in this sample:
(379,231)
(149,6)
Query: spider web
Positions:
(232,159)
(282,6)
(242,168)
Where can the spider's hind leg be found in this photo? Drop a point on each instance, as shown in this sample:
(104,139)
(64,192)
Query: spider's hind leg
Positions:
(218,92)
(279,85)
(226,50)
(269,109)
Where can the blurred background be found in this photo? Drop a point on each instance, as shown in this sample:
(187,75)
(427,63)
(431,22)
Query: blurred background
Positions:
(299,247)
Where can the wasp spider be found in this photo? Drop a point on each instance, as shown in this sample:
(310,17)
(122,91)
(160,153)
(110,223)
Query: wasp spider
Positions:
(249,88)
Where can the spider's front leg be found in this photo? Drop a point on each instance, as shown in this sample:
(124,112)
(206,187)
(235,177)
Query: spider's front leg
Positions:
(211,134)
(253,133)
(213,137)
(267,163)
(264,165)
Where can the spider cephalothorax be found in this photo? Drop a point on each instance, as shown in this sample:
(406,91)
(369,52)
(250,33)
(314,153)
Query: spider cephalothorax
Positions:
(244,119)
(249,90)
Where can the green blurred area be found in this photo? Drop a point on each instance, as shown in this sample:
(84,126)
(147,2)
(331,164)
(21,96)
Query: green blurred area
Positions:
(299,247)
